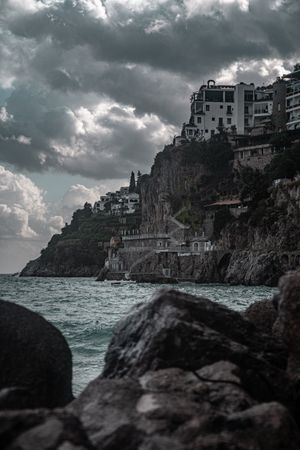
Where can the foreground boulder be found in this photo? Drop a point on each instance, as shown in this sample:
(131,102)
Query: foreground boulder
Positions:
(262,314)
(289,320)
(179,330)
(181,373)
(35,361)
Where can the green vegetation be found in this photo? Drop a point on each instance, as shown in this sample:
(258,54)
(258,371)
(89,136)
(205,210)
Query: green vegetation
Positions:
(214,154)
(99,227)
(285,164)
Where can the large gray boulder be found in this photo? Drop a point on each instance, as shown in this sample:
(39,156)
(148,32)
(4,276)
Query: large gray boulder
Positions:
(179,330)
(35,361)
(288,324)
(181,373)
(262,314)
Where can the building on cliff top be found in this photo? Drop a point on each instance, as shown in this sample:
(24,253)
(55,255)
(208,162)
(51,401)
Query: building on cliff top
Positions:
(243,109)
(293,98)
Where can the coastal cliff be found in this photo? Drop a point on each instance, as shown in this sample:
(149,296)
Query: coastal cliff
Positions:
(254,245)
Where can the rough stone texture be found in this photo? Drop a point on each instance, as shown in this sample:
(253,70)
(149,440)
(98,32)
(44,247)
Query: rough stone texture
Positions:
(289,319)
(234,267)
(181,373)
(179,330)
(35,360)
(262,314)
(41,429)
(176,409)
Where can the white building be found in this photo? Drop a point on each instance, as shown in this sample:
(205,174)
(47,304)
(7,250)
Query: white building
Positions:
(293,99)
(131,203)
(263,106)
(216,107)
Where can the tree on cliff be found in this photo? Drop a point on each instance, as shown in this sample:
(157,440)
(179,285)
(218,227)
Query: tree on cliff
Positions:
(132,185)
(285,164)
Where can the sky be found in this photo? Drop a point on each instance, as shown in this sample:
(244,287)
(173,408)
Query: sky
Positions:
(92,89)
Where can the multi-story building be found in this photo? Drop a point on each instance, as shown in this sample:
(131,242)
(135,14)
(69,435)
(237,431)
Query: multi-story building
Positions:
(216,107)
(293,98)
(262,106)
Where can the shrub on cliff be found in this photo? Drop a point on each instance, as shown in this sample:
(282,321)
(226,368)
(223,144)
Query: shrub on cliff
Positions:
(285,164)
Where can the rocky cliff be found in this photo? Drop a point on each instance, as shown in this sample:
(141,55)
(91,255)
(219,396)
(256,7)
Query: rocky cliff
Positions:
(261,244)
(180,179)
(80,249)
(182,373)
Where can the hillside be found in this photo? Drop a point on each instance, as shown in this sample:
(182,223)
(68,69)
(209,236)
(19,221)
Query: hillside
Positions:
(80,249)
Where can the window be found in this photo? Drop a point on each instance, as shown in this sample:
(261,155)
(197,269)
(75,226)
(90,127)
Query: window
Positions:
(229,96)
(248,96)
(246,122)
(198,119)
(213,119)
(206,131)
(229,109)
(220,121)
(229,121)
(246,109)
(221,106)
(212,132)
(190,132)
(207,108)
(214,96)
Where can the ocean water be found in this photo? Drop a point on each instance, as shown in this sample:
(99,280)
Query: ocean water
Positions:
(86,311)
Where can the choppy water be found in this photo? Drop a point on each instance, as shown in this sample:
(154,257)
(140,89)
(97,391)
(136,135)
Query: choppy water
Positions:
(86,311)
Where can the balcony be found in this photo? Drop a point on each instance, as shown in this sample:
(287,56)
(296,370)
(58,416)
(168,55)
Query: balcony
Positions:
(294,106)
(293,93)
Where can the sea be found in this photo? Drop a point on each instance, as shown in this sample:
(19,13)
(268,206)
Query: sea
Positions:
(86,311)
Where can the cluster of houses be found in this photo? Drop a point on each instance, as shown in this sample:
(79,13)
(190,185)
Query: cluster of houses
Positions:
(243,108)
(118,203)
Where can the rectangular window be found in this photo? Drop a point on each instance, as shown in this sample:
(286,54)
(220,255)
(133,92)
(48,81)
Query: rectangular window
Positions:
(206,131)
(220,121)
(229,121)
(229,96)
(246,122)
(246,109)
(213,119)
(221,106)
(207,108)
(190,132)
(214,96)
(229,109)
(248,96)
(198,119)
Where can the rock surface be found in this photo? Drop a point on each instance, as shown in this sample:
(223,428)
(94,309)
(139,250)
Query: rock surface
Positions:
(35,360)
(262,314)
(181,373)
(289,319)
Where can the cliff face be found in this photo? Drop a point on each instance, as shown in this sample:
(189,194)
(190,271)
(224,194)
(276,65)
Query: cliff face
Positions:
(178,179)
(272,226)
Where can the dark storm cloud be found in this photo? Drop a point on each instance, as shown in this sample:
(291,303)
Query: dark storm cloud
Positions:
(75,78)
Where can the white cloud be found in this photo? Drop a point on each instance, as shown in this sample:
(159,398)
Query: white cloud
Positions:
(4,115)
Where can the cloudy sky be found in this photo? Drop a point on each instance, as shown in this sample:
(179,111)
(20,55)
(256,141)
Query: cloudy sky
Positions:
(92,89)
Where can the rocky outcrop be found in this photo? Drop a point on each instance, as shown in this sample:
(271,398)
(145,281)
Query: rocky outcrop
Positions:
(175,174)
(67,258)
(262,314)
(35,360)
(289,320)
(232,267)
(181,373)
